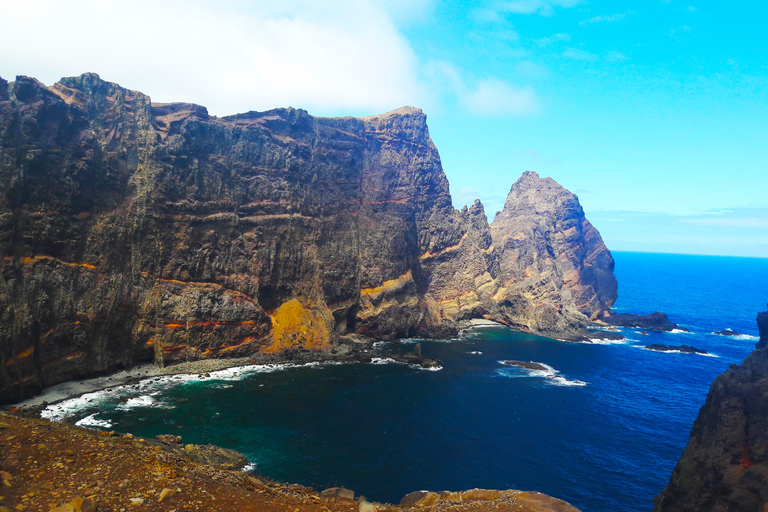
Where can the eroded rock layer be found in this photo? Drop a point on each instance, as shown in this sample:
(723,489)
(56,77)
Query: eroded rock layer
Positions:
(133,231)
(725,465)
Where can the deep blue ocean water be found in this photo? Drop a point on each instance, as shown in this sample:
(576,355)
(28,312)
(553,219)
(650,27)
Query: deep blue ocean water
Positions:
(603,433)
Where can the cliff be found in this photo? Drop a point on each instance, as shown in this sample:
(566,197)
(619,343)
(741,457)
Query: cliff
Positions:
(133,231)
(725,465)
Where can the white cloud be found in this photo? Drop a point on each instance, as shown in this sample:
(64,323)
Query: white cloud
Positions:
(494,97)
(578,54)
(488,97)
(544,7)
(615,56)
(598,19)
(338,57)
(546,41)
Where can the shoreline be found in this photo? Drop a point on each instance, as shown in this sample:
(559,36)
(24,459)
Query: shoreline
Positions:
(351,349)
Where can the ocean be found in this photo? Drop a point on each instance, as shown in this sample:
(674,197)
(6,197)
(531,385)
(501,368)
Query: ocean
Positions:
(600,425)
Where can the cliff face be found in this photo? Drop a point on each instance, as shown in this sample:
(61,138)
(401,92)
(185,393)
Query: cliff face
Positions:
(725,465)
(133,231)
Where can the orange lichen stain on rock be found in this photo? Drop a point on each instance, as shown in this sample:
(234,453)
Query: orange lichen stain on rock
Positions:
(388,284)
(69,357)
(438,252)
(745,460)
(209,323)
(19,356)
(293,325)
(25,260)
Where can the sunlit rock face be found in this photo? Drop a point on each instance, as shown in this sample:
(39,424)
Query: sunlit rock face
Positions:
(134,231)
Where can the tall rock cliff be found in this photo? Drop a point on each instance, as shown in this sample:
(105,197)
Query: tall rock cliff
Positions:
(135,231)
(725,465)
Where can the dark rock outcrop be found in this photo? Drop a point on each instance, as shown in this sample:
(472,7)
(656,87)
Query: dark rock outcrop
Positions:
(133,231)
(686,349)
(655,321)
(725,465)
(727,332)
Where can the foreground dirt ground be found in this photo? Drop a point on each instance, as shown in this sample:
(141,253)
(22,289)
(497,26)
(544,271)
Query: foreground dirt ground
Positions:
(51,466)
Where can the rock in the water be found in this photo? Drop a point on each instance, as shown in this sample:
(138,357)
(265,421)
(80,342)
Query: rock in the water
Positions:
(655,321)
(725,465)
(727,332)
(675,348)
(528,365)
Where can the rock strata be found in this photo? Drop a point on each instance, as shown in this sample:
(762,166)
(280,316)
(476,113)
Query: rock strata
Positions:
(133,232)
(725,465)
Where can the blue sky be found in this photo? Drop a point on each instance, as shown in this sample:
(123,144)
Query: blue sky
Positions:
(655,113)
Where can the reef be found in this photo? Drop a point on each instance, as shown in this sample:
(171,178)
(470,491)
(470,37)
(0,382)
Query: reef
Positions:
(133,231)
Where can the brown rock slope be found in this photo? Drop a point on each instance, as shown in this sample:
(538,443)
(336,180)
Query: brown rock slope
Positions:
(45,465)
(133,231)
(725,465)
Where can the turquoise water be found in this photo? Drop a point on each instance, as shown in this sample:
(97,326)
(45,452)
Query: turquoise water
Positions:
(603,433)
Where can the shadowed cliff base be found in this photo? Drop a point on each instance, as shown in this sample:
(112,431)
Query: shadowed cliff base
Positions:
(137,232)
(725,465)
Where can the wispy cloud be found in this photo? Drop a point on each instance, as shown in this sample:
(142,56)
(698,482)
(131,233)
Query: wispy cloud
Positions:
(615,56)
(599,19)
(579,54)
(489,96)
(733,232)
(495,97)
(546,41)
(498,10)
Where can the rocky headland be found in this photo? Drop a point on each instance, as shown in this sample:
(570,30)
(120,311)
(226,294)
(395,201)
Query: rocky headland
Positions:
(725,465)
(135,232)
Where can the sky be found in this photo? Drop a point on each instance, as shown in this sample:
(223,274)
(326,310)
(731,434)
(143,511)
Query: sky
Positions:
(654,112)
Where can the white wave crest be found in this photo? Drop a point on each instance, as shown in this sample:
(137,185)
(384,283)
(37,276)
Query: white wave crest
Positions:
(608,341)
(475,352)
(680,331)
(548,373)
(141,401)
(92,421)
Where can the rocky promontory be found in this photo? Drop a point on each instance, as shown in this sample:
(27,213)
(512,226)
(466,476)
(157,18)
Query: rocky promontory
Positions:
(725,465)
(133,231)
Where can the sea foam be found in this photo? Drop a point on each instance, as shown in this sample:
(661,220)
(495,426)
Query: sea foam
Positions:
(548,373)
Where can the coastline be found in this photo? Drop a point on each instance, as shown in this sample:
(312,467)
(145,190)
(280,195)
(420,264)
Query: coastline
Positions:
(351,349)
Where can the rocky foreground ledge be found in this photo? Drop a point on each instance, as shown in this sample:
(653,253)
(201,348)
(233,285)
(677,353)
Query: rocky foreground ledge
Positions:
(57,467)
